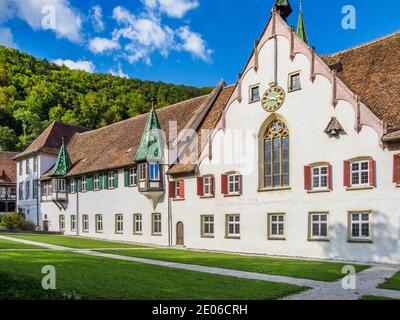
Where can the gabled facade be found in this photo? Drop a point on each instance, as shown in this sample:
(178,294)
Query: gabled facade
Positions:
(8,182)
(298,158)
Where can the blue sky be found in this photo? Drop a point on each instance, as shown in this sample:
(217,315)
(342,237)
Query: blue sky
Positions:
(193,42)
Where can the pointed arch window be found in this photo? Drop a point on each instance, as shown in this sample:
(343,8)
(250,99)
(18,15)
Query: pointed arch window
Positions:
(276,155)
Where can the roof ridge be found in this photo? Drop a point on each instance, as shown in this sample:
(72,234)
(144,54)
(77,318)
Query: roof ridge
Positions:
(142,115)
(362,45)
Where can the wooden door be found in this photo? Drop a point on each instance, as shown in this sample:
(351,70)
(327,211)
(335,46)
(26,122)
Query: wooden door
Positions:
(46,226)
(179,234)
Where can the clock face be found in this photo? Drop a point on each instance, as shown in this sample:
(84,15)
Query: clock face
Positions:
(273,99)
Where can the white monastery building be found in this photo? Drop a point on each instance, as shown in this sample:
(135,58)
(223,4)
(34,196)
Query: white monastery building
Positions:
(300,157)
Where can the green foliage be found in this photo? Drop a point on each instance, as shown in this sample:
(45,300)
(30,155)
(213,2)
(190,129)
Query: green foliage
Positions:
(11,221)
(27,225)
(8,139)
(34,92)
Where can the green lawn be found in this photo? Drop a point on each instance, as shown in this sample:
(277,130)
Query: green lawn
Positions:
(392,283)
(315,270)
(96,278)
(7,244)
(375,298)
(72,242)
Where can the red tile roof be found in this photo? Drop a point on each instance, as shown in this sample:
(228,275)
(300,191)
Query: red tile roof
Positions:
(8,168)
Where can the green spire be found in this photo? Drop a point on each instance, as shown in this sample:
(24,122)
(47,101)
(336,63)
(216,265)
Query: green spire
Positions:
(63,164)
(151,145)
(301,27)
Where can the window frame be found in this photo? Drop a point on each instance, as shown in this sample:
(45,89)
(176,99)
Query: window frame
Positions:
(35,189)
(85,223)
(278,223)
(61,222)
(138,221)
(360,224)
(110,180)
(133,178)
(320,176)
(99,222)
(72,185)
(154,227)
(311,223)
(236,224)
(251,88)
(119,223)
(291,76)
(204,223)
(83,184)
(235,183)
(142,171)
(96,182)
(27,190)
(359,173)
(61,186)
(73,223)
(157,177)
(177,190)
(209,184)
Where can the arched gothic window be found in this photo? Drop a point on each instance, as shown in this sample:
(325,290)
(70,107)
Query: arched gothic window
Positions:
(276,155)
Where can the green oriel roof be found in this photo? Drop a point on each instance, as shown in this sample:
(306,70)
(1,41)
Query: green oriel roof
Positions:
(301,28)
(63,164)
(151,145)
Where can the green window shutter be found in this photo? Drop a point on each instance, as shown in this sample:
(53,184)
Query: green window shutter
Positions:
(126,177)
(116,179)
(78,184)
(89,181)
(105,178)
(101,185)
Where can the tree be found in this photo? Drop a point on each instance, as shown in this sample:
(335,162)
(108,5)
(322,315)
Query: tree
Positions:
(8,139)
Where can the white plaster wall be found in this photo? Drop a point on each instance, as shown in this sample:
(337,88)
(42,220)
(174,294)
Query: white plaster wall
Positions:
(307,113)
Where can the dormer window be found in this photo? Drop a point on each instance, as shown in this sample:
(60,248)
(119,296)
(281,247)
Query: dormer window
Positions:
(142,171)
(154,169)
(294,82)
(254,93)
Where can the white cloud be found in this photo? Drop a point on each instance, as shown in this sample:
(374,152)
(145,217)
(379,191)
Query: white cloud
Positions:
(6,38)
(83,65)
(96,16)
(145,34)
(172,8)
(119,73)
(102,45)
(38,13)
(193,43)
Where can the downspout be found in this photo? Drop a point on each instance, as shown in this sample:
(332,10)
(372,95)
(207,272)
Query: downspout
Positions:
(37,201)
(169,213)
(77,210)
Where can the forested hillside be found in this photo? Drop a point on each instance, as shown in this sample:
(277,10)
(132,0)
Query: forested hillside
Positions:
(34,92)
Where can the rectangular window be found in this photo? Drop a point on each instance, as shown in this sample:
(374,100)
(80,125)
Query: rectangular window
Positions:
(177,189)
(61,185)
(72,185)
(35,164)
(84,184)
(233,226)
(276,226)
(27,166)
(110,180)
(207,226)
(360,224)
(294,82)
(360,173)
(62,223)
(234,184)
(21,191)
(320,177)
(318,226)
(154,171)
(96,182)
(35,189)
(133,177)
(142,172)
(207,186)
(156,224)
(27,190)
(254,94)
(21,164)
(85,223)
(99,223)
(73,223)
(119,223)
(137,224)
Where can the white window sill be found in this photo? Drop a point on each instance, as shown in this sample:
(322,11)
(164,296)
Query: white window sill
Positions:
(360,240)
(207,197)
(274,189)
(236,194)
(319,191)
(318,239)
(233,237)
(207,236)
(178,199)
(277,238)
(361,187)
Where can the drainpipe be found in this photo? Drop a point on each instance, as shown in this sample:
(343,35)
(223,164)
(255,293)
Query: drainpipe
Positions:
(77,210)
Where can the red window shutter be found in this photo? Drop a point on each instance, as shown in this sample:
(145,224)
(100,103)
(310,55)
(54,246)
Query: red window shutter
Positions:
(212,185)
(396,169)
(330,177)
(372,172)
(182,189)
(307,178)
(346,174)
(200,190)
(224,184)
(171,188)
